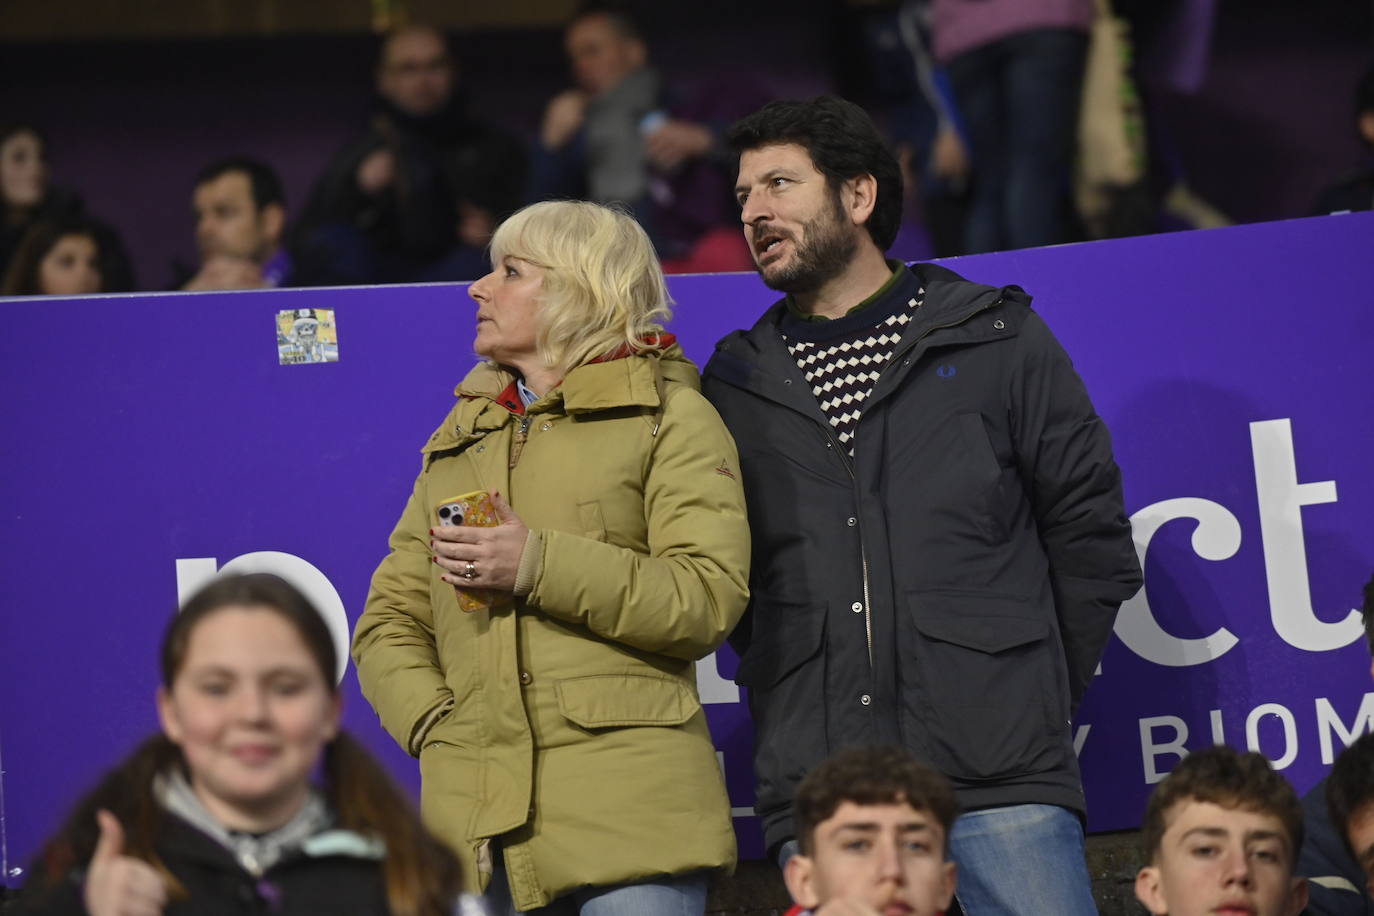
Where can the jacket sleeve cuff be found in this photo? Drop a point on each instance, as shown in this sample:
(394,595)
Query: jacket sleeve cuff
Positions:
(531,562)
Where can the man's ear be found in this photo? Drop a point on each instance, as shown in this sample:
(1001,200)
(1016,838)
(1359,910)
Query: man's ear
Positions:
(273,220)
(1297,900)
(1366,124)
(948,877)
(638,53)
(1149,892)
(799,874)
(862,197)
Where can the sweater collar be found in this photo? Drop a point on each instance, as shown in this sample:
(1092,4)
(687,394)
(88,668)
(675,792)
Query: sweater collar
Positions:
(897,268)
(902,291)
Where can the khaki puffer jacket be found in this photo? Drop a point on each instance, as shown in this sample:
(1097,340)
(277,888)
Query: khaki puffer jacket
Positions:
(565,721)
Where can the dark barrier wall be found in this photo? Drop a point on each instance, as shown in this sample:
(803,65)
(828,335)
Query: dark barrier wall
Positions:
(150,441)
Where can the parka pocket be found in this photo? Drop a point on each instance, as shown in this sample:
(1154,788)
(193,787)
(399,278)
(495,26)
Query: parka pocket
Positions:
(979,463)
(619,700)
(979,684)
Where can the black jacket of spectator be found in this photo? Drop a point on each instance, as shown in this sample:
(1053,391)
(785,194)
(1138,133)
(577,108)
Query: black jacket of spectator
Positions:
(951,587)
(1355,193)
(442,160)
(218,886)
(1335,884)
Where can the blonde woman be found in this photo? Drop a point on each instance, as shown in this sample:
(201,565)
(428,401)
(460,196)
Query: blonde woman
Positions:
(563,750)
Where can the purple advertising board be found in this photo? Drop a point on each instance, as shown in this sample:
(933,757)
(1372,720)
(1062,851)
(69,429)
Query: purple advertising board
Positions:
(154,440)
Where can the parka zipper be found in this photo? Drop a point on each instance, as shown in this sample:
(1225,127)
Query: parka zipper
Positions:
(863,552)
(518,445)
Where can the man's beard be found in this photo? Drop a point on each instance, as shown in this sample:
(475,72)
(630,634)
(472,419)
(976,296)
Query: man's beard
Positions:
(828,248)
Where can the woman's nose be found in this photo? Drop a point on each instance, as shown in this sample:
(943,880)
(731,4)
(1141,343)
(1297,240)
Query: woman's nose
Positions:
(478,289)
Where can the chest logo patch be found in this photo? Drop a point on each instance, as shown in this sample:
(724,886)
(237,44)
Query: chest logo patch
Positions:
(946,371)
(724,470)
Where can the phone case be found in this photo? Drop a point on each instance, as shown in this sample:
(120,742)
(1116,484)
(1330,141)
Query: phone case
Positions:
(475,508)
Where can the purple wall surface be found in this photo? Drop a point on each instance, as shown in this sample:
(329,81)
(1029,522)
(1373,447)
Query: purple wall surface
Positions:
(151,440)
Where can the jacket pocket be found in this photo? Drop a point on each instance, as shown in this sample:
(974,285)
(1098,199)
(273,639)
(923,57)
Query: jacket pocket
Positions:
(618,700)
(978,682)
(979,462)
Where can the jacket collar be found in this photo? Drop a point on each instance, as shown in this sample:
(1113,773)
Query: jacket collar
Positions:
(746,358)
(487,399)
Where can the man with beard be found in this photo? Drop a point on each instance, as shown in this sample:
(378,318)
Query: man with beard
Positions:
(940,546)
(417,196)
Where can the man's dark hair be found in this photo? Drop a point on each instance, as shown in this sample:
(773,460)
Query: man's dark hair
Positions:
(617,14)
(1227,778)
(870,776)
(1350,787)
(1367,612)
(841,140)
(266,185)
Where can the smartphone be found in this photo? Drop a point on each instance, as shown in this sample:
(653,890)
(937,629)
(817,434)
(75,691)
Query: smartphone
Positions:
(475,508)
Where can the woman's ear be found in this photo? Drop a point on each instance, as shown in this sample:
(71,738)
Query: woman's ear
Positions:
(167,716)
(335,716)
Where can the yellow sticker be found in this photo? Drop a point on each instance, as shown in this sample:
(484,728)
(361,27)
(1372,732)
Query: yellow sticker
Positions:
(307,336)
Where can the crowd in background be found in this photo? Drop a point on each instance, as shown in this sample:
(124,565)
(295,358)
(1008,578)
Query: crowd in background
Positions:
(1018,123)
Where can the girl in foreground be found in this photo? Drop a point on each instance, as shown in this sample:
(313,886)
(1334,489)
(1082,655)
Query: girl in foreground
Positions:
(220,813)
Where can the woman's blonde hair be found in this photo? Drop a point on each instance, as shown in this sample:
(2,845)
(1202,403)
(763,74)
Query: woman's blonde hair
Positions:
(603,287)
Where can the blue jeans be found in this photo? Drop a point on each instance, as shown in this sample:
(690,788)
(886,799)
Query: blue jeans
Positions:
(1019,98)
(1021,860)
(680,895)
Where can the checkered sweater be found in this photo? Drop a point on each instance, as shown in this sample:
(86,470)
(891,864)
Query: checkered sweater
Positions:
(842,359)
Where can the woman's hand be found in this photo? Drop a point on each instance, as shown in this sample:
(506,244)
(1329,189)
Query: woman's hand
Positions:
(491,555)
(116,884)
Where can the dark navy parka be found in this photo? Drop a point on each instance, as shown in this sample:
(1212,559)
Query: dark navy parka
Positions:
(951,587)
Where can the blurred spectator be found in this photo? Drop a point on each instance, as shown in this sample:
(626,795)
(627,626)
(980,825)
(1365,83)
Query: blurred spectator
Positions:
(624,136)
(25,193)
(240,213)
(1356,191)
(68,256)
(887,66)
(1170,57)
(1017,69)
(426,182)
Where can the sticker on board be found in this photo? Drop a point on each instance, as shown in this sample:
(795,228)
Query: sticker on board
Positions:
(307,336)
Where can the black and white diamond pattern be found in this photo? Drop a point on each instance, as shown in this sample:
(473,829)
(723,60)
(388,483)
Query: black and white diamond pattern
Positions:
(842,372)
